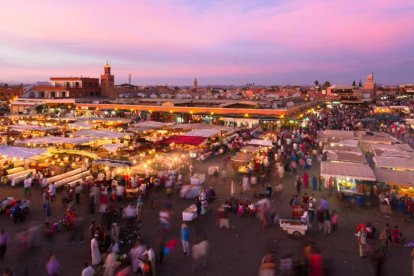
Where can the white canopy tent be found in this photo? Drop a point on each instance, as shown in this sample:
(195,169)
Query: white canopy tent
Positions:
(350,170)
(81,125)
(396,150)
(341,156)
(31,128)
(335,135)
(338,148)
(53,140)
(21,152)
(201,126)
(203,132)
(113,147)
(395,177)
(394,163)
(348,142)
(259,142)
(101,134)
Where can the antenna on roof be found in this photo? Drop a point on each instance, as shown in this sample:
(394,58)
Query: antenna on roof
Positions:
(129,79)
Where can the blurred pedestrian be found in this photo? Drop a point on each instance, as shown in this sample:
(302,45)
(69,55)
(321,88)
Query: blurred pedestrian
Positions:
(78,190)
(88,270)
(4,240)
(334,221)
(185,238)
(412,262)
(396,235)
(53,266)
(362,242)
(95,253)
(378,260)
(298,184)
(314,183)
(150,255)
(199,253)
(110,264)
(267,265)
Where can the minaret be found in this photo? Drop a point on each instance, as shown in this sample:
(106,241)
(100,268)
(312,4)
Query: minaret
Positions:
(195,84)
(108,83)
(370,85)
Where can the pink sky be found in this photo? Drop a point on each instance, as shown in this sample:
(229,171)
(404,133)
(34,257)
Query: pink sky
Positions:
(217,41)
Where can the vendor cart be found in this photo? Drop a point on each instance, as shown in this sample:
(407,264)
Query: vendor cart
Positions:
(296,228)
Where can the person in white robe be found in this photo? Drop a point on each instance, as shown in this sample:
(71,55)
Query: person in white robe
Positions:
(96,255)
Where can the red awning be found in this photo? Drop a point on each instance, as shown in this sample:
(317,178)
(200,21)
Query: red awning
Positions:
(184,140)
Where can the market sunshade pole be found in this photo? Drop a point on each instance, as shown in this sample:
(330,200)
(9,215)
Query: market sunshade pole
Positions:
(232,188)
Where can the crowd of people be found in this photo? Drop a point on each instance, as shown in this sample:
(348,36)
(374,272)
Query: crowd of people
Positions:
(117,247)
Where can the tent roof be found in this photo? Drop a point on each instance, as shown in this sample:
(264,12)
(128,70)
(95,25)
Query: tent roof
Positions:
(395,177)
(203,132)
(113,163)
(148,125)
(113,147)
(20,152)
(201,126)
(376,137)
(338,134)
(396,150)
(259,142)
(242,157)
(185,140)
(346,157)
(348,142)
(336,148)
(31,128)
(394,162)
(57,140)
(352,170)
(101,134)
(92,155)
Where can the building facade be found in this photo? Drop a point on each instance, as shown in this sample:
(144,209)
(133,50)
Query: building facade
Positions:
(66,87)
(8,92)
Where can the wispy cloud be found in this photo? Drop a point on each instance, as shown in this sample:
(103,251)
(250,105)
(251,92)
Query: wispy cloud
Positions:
(240,40)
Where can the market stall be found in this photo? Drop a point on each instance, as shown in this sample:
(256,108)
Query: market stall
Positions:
(401,182)
(394,163)
(352,180)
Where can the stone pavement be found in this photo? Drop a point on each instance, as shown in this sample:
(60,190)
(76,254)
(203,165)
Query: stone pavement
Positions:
(237,251)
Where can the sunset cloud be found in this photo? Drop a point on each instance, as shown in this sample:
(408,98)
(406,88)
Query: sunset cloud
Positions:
(218,41)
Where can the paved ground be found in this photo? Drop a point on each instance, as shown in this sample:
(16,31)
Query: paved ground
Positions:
(233,252)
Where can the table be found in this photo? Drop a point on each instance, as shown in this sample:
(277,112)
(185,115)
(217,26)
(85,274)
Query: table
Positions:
(190,213)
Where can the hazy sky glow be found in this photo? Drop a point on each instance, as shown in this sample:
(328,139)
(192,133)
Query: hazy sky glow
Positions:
(217,41)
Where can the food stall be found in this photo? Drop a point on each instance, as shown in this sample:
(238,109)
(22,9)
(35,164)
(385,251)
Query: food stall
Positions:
(16,162)
(400,181)
(352,179)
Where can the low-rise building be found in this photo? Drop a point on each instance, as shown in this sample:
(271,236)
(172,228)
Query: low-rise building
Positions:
(10,92)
